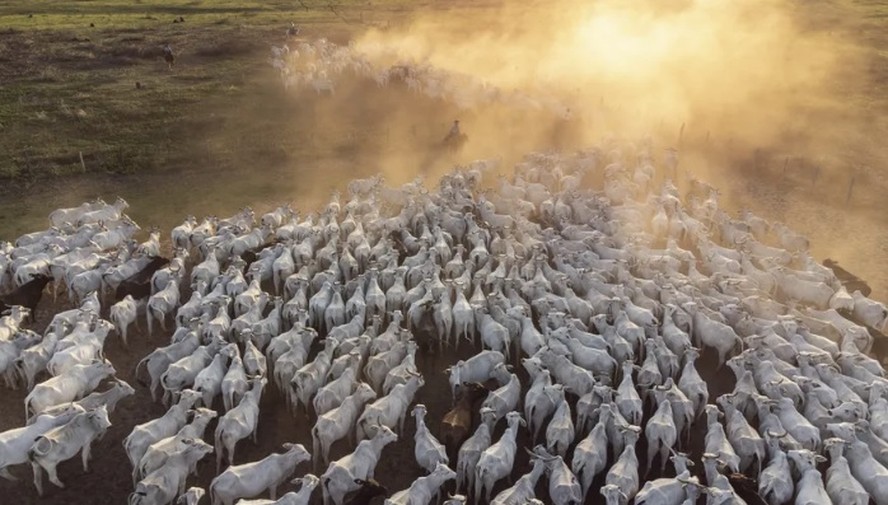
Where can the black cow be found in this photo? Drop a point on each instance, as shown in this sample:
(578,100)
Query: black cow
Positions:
(851,282)
(746,488)
(27,295)
(369,489)
(139,284)
(251,255)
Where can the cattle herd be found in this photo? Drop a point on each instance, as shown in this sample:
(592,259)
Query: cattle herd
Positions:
(589,290)
(321,65)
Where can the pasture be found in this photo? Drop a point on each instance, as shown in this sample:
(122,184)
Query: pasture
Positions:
(89,108)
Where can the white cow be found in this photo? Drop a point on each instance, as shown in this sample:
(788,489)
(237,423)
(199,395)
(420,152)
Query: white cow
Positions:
(478,368)
(11,350)
(308,483)
(60,217)
(239,423)
(33,360)
(161,304)
(337,423)
(161,486)
(161,450)
(504,399)
(251,479)
(193,495)
(496,461)
(334,392)
(870,312)
(471,449)
(342,475)
(181,374)
(123,313)
(161,358)
(83,350)
(72,385)
(390,410)
(523,490)
(208,381)
(145,434)
(234,384)
(109,398)
(424,488)
(429,452)
(15,443)
(64,442)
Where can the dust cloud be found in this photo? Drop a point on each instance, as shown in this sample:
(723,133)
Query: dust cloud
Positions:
(766,99)
(745,72)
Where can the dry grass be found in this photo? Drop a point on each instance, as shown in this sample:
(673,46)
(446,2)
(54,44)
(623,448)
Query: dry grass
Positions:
(55,58)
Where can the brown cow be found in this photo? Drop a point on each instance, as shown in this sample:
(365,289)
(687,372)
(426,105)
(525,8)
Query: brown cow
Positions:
(457,424)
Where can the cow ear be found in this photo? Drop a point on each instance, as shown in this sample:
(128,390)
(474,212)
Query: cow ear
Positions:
(359,482)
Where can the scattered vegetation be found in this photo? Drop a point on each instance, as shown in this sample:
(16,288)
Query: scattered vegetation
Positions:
(84,86)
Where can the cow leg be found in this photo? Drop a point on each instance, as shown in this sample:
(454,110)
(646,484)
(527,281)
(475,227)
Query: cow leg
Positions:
(54,476)
(38,477)
(652,451)
(325,449)
(85,456)
(273,492)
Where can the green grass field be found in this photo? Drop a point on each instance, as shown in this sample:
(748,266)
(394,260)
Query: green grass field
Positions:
(69,71)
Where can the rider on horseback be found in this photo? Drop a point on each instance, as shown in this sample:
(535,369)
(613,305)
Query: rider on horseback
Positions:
(455,138)
(454,133)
